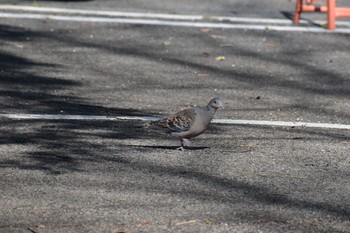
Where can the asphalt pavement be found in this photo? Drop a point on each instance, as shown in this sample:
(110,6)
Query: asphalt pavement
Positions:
(114,176)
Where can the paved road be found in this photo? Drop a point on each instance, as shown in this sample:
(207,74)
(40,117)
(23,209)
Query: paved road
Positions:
(206,7)
(112,176)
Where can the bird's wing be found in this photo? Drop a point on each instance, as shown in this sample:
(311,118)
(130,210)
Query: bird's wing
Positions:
(179,122)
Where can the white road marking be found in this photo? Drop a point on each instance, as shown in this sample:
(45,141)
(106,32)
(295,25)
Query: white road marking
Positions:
(146,118)
(158,15)
(172,23)
(73,117)
(282,123)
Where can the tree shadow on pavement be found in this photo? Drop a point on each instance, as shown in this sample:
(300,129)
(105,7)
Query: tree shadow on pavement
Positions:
(24,88)
(64,147)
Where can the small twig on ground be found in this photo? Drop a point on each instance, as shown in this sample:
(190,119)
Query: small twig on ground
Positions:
(32,230)
(185,222)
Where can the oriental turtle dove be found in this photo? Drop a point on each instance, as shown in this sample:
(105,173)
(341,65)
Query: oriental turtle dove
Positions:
(189,122)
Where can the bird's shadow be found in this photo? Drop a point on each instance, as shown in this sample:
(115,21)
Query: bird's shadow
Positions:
(173,147)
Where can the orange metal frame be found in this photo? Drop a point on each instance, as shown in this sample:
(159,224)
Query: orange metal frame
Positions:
(332,11)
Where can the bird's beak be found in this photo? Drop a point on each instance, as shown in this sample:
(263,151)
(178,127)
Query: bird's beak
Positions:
(221,105)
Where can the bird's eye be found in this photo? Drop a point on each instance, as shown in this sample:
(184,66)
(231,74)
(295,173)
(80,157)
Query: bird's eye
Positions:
(214,102)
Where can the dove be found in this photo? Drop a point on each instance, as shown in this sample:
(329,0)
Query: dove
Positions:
(189,122)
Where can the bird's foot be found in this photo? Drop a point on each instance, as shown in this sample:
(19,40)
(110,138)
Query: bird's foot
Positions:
(181,148)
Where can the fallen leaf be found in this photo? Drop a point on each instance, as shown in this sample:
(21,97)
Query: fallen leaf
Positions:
(204,74)
(122,230)
(205,54)
(144,223)
(220,58)
(270,45)
(209,222)
(206,30)
(19,46)
(217,37)
(246,145)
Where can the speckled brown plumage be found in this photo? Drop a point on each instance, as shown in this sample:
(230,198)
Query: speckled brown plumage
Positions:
(181,121)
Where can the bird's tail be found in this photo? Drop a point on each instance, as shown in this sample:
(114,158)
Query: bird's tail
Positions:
(151,125)
(154,125)
(140,124)
(147,125)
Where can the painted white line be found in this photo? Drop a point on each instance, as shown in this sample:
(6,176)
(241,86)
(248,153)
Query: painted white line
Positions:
(172,23)
(74,117)
(139,118)
(52,117)
(158,15)
(282,123)
(101,13)
(145,118)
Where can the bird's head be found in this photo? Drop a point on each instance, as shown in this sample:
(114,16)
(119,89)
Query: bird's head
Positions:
(216,103)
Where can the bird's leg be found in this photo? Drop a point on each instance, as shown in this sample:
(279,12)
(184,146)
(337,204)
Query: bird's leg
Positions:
(184,143)
(182,147)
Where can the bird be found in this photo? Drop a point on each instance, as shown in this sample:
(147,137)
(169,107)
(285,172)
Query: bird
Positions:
(188,122)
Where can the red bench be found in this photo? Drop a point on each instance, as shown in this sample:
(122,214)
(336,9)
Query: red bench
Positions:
(332,11)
